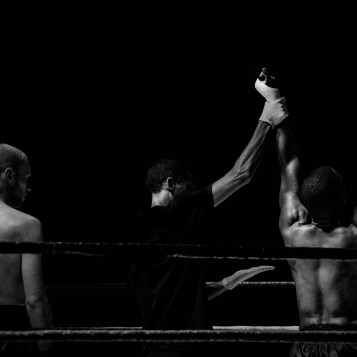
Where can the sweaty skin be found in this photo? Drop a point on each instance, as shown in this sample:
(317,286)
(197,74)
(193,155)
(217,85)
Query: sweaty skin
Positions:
(326,290)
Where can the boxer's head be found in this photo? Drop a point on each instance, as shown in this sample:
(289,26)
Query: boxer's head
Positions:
(323,194)
(15,171)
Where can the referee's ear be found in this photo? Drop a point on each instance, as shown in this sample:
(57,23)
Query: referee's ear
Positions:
(169,185)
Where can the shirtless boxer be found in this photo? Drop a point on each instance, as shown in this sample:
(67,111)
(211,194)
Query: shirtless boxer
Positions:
(312,215)
(23,300)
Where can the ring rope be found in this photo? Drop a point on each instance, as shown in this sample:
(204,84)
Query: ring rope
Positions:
(192,336)
(120,286)
(182,251)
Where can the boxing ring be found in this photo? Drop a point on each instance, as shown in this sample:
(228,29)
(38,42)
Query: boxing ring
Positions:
(219,334)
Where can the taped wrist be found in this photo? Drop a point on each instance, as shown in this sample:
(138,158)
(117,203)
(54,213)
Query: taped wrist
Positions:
(271,114)
(269,93)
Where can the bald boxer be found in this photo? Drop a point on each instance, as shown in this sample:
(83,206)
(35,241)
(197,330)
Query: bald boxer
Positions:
(23,300)
(313,215)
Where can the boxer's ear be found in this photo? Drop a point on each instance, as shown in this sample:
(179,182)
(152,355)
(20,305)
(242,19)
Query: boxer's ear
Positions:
(10,175)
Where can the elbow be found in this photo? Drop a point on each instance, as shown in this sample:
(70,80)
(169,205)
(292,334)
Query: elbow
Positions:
(244,176)
(248,174)
(34,302)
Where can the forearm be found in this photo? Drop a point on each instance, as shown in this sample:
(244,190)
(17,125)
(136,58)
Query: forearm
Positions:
(215,289)
(245,166)
(251,156)
(40,316)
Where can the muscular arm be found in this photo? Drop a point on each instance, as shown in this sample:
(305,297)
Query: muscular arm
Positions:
(291,208)
(274,112)
(37,306)
(245,166)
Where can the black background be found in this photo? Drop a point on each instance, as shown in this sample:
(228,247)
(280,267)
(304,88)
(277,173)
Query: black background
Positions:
(94,99)
(94,105)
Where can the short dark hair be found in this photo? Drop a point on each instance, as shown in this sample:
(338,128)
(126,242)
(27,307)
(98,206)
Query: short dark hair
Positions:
(164,168)
(323,189)
(11,156)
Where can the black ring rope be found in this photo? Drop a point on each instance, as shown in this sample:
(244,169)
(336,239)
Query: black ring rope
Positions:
(208,336)
(180,251)
(121,286)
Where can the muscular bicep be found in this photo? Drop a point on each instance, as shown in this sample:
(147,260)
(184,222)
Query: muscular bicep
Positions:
(291,211)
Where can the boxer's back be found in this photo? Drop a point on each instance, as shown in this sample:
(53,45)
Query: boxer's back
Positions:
(326,289)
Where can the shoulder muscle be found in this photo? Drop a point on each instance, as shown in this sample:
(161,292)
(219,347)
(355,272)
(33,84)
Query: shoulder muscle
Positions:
(32,229)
